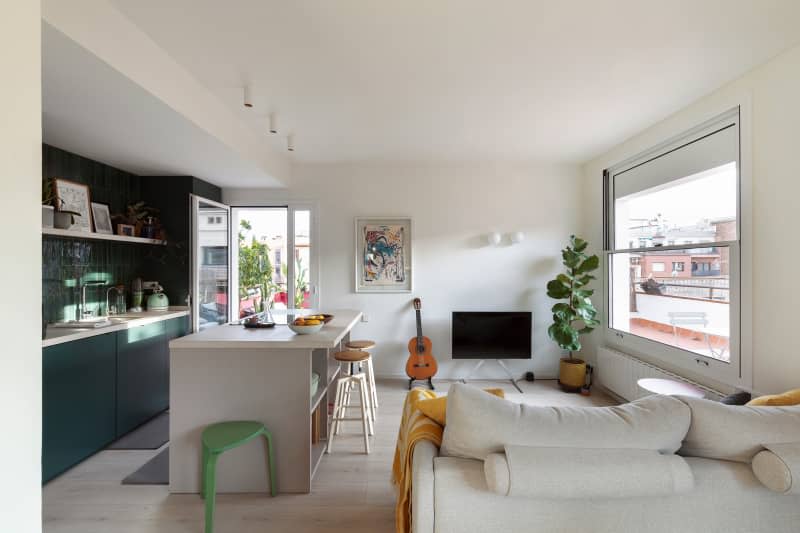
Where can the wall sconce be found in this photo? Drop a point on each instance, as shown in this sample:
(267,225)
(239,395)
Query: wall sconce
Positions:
(248,96)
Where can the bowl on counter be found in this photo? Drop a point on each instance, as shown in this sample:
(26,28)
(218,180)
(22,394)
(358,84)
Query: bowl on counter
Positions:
(305,330)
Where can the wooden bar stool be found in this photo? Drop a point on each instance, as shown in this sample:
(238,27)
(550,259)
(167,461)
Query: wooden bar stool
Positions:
(344,386)
(219,438)
(367,345)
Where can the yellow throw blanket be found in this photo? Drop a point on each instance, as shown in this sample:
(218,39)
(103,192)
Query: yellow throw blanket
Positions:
(414,427)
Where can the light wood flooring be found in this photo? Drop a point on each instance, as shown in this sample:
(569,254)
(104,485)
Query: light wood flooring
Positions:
(351,492)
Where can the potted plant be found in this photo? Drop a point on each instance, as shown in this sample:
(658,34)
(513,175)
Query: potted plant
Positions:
(576,315)
(53,214)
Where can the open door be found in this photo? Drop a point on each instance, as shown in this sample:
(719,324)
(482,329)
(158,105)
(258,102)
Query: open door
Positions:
(210,263)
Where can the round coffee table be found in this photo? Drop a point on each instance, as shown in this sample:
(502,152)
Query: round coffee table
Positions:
(670,387)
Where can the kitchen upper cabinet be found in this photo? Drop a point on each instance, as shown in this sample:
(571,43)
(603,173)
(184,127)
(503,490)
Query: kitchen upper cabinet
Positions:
(142,375)
(78,401)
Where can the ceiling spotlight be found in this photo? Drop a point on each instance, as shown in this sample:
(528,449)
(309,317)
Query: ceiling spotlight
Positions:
(248,96)
(494,238)
(273,123)
(290,143)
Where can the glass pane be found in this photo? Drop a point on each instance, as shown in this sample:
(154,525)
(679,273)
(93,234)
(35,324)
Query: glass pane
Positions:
(212,253)
(261,246)
(689,210)
(302,252)
(676,297)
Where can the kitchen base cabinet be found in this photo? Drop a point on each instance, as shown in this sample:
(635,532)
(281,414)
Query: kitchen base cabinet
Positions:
(97,389)
(78,407)
(142,375)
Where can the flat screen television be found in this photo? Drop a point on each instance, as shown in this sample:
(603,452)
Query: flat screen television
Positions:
(492,335)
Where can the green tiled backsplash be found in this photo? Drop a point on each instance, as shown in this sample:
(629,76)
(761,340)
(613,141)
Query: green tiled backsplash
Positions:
(67,263)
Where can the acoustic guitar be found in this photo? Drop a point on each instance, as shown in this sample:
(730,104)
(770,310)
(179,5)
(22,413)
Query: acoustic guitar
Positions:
(421,364)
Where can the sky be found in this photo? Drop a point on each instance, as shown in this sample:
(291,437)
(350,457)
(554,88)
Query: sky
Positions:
(711,195)
(271,222)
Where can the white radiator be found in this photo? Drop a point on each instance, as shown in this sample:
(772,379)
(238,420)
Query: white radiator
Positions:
(619,372)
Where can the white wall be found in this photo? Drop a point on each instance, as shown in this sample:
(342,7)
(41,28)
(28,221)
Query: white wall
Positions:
(453,208)
(774,92)
(20,268)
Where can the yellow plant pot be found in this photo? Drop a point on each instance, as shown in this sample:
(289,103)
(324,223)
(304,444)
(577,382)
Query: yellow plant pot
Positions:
(572,373)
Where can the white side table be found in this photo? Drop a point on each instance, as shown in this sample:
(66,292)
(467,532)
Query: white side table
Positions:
(670,387)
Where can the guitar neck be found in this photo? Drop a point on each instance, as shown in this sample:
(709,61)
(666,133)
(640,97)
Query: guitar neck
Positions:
(419,326)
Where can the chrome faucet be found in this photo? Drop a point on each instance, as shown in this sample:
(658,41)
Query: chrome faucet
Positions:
(86,313)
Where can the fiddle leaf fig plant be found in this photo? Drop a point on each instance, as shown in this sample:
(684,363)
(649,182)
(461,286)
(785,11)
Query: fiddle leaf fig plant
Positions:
(576,315)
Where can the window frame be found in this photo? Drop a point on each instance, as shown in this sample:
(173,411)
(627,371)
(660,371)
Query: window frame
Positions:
(738,372)
(314,276)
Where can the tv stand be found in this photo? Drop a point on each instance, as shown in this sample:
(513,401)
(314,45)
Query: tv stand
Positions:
(499,362)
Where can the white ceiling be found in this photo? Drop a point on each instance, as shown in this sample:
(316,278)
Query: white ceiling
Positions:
(91,109)
(464,79)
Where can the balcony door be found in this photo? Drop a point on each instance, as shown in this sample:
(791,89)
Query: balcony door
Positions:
(210,263)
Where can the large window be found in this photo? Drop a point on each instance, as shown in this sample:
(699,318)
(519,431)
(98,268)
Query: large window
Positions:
(672,244)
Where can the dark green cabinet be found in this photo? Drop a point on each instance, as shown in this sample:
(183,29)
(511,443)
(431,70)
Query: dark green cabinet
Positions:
(95,390)
(142,375)
(78,392)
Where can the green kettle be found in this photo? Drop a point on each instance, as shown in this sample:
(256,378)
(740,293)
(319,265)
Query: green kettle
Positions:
(157,301)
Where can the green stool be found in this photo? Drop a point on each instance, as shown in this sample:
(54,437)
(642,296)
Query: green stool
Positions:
(218,438)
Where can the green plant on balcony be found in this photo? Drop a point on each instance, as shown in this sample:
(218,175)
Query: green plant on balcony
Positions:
(255,267)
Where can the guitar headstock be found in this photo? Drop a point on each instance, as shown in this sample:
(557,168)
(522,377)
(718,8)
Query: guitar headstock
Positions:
(417,304)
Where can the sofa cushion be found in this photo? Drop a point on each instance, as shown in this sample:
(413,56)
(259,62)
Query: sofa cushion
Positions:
(727,498)
(778,467)
(791,397)
(586,473)
(479,424)
(737,432)
(436,408)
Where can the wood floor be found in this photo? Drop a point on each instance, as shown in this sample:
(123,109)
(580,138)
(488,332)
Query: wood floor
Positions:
(351,493)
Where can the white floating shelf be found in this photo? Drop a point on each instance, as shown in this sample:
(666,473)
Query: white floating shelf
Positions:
(53,232)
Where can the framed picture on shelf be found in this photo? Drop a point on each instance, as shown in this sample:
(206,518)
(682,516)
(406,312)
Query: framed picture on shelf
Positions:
(72,196)
(127,230)
(102,218)
(383,261)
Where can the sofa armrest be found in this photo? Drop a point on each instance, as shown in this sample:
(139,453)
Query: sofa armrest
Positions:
(422,487)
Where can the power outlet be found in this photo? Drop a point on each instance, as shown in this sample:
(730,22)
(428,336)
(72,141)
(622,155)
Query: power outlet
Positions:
(364,317)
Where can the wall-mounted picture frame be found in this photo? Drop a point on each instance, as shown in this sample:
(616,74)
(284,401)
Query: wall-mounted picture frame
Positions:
(384,257)
(101,215)
(75,197)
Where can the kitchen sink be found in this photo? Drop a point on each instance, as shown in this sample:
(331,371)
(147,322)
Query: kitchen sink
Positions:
(87,323)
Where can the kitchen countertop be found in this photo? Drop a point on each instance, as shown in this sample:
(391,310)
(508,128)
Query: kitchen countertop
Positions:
(60,335)
(237,336)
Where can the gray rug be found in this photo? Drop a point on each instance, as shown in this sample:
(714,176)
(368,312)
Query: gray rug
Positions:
(151,435)
(154,472)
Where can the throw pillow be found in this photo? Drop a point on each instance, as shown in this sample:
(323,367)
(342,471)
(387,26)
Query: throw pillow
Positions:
(479,424)
(791,397)
(436,408)
(737,398)
(737,432)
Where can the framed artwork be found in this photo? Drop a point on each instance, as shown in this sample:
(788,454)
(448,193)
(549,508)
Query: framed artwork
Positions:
(383,254)
(71,196)
(127,230)
(102,218)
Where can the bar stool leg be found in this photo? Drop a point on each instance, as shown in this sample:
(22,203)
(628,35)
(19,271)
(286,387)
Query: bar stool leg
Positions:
(336,414)
(210,486)
(372,390)
(364,416)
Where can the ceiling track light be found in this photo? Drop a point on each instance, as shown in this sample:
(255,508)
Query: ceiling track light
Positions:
(248,96)
(290,143)
(273,123)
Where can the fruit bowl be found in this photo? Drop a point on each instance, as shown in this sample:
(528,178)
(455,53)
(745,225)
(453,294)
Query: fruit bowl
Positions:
(305,330)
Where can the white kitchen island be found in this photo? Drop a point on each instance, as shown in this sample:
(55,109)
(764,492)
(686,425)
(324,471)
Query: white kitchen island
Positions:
(229,373)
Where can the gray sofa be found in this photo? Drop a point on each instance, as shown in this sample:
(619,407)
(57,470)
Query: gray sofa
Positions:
(453,489)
